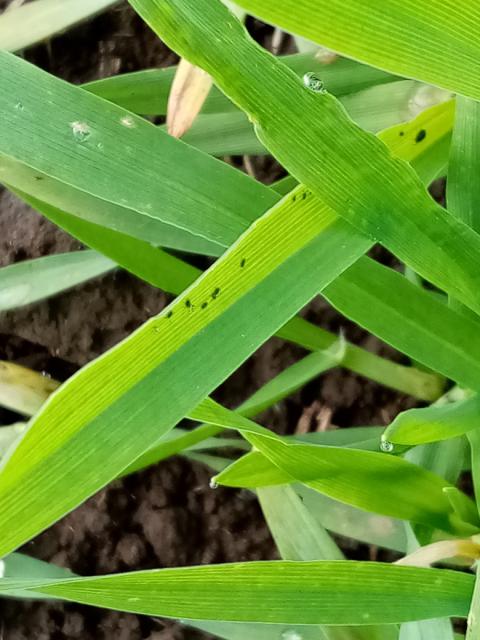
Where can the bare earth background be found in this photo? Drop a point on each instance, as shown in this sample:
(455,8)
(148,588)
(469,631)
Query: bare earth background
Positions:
(166,516)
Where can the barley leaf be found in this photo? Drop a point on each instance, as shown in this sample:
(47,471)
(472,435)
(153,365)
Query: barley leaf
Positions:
(435,42)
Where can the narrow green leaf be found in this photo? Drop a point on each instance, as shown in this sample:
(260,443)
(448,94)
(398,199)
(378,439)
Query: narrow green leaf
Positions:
(32,280)
(174,275)
(410,380)
(373,109)
(372,481)
(122,403)
(431,424)
(348,521)
(369,31)
(333,515)
(297,535)
(293,378)
(41,19)
(386,201)
(410,319)
(325,592)
(176,196)
(463,192)
(146,92)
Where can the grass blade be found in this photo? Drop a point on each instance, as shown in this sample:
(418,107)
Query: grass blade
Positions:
(174,275)
(299,536)
(32,280)
(410,319)
(463,194)
(39,20)
(146,92)
(325,592)
(435,423)
(369,31)
(175,196)
(244,284)
(299,126)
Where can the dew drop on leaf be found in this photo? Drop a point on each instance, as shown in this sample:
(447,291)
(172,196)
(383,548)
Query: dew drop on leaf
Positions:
(314,83)
(386,446)
(213,483)
(291,634)
(81,131)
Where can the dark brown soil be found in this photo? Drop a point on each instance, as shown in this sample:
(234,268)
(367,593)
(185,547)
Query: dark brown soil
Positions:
(166,516)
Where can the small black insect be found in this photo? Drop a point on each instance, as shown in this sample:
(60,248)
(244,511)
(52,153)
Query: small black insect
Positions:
(421,135)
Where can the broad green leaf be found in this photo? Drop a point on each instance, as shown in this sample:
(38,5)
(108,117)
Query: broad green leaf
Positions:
(369,480)
(409,318)
(375,482)
(369,31)
(311,135)
(32,280)
(325,592)
(122,403)
(170,195)
(146,92)
(174,275)
(431,424)
(429,161)
(435,123)
(272,392)
(22,389)
(463,193)
(41,19)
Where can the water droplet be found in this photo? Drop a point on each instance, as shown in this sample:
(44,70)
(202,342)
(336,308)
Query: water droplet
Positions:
(128,122)
(100,145)
(19,106)
(45,374)
(314,83)
(291,634)
(213,483)
(386,446)
(365,616)
(81,131)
